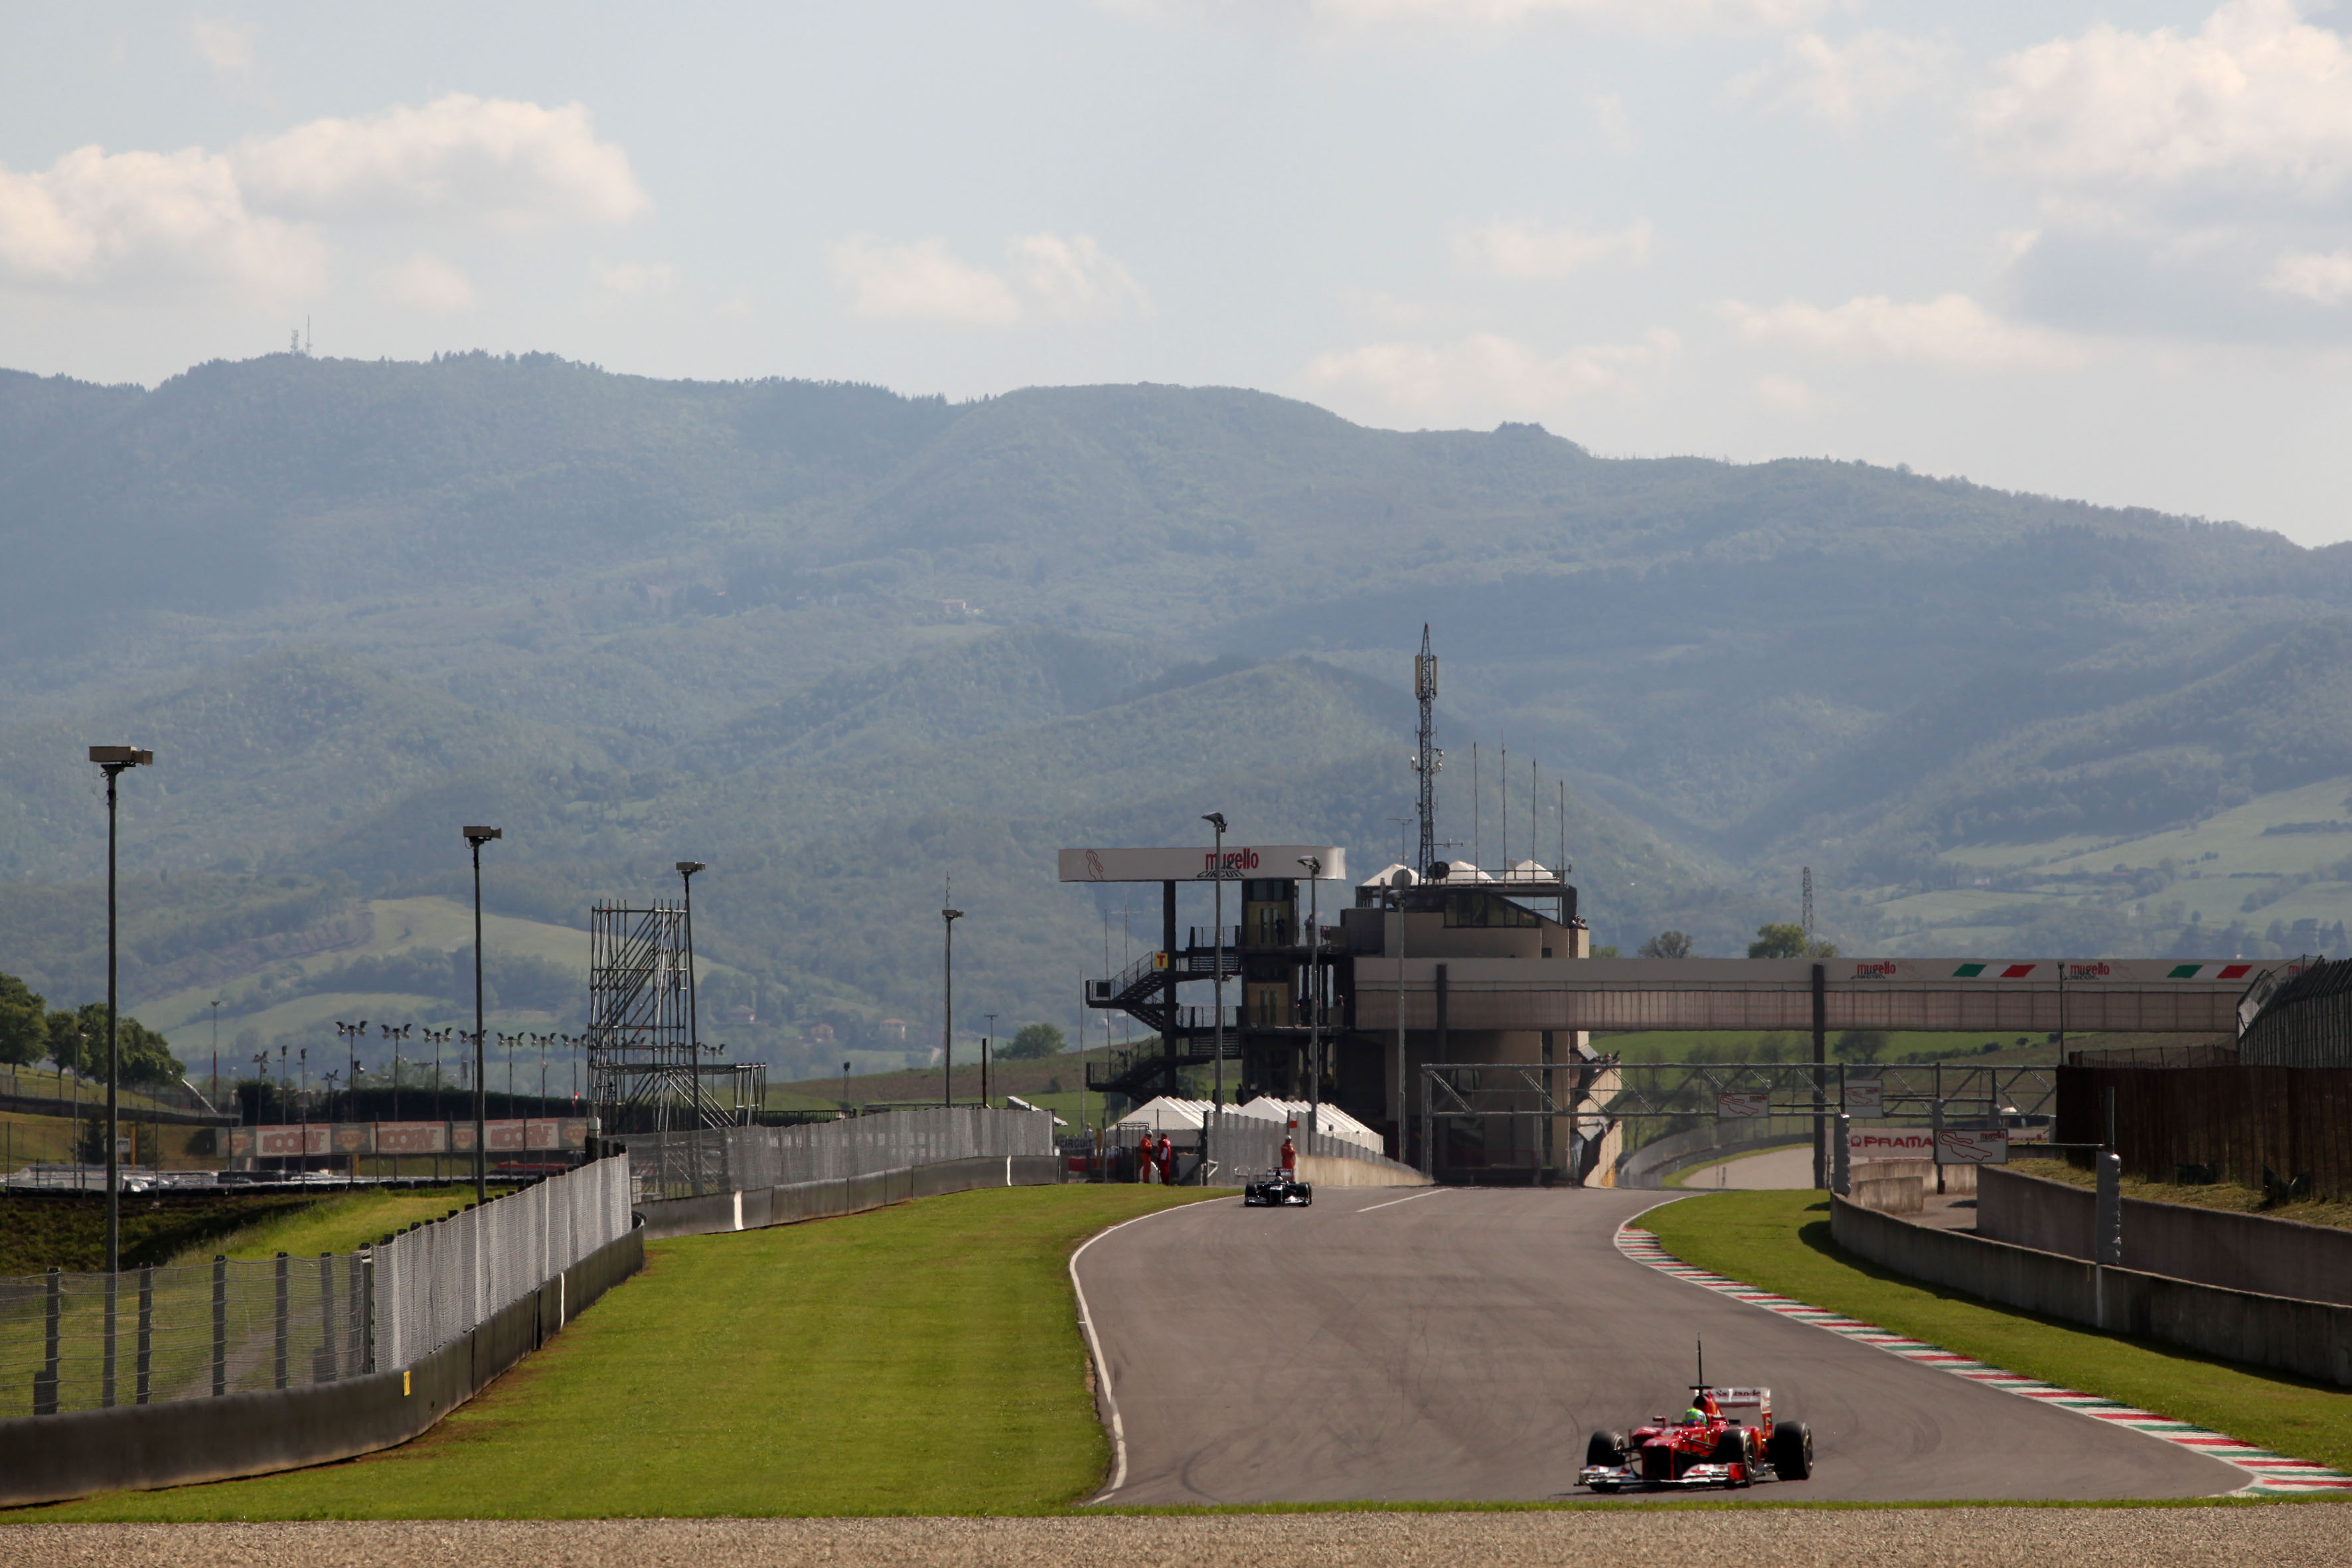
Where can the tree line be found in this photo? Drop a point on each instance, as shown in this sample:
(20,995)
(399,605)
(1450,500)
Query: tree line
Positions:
(74,1040)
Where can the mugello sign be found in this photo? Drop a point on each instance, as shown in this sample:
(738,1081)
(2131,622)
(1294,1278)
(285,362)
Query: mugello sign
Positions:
(1269,861)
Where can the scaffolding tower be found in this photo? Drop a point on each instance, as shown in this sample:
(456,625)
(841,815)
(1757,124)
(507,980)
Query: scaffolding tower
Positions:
(644,1072)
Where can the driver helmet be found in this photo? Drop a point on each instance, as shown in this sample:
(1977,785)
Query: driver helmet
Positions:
(1694,1416)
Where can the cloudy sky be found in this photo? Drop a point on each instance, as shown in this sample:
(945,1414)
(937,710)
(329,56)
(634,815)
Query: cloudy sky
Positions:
(2098,251)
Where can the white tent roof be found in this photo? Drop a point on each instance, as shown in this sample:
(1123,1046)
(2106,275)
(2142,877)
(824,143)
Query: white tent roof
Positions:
(1385,876)
(1334,1122)
(1464,871)
(1165,1114)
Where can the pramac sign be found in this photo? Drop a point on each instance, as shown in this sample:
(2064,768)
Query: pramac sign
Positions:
(1269,861)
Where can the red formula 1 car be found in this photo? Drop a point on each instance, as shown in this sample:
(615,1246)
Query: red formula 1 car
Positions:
(1726,1438)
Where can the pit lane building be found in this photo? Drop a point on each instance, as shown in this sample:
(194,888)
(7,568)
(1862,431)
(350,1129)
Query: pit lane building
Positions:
(1284,979)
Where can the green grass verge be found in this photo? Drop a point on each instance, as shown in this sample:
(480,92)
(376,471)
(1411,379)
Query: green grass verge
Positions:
(1781,1241)
(923,1359)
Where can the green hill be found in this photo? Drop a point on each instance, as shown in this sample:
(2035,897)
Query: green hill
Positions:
(844,643)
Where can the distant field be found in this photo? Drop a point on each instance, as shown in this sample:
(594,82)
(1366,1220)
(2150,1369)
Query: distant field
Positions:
(2220,861)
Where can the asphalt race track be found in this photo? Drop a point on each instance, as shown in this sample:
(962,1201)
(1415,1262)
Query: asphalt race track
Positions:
(1455,1344)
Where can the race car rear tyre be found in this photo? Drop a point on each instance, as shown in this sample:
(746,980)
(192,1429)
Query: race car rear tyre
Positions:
(1605,1449)
(1791,1451)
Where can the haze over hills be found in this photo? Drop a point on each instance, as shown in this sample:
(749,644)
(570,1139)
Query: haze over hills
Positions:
(844,644)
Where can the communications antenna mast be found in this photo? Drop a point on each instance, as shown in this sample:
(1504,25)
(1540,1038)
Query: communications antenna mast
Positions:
(1426,758)
(1808,909)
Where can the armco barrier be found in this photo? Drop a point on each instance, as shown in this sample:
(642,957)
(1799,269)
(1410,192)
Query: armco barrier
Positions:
(2211,1247)
(44,1458)
(760,1207)
(2310,1339)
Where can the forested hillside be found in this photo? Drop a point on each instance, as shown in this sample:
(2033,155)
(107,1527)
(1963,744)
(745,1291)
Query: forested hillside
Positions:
(844,645)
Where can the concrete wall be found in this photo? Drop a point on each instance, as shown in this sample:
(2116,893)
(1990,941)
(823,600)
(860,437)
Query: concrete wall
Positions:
(763,1207)
(2211,1247)
(45,1458)
(2309,1338)
(1959,1180)
(1891,1195)
(1334,1172)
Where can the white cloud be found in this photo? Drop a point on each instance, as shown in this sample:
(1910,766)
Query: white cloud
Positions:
(254,215)
(2326,278)
(1531,250)
(1073,278)
(224,45)
(1785,395)
(1951,331)
(2257,94)
(429,283)
(1484,373)
(499,161)
(921,282)
(627,283)
(1047,274)
(1840,84)
(93,215)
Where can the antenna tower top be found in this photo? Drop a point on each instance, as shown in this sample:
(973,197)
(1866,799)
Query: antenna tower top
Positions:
(1427,759)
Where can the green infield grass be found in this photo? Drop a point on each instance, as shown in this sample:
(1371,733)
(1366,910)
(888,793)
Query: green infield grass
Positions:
(1779,1241)
(923,1359)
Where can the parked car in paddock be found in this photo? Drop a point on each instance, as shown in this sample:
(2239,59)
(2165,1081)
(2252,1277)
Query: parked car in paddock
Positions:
(1727,1438)
(1277,1189)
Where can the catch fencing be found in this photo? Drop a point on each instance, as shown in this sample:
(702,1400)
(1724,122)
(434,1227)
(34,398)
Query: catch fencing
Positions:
(73,1341)
(439,1281)
(706,1160)
(2305,1023)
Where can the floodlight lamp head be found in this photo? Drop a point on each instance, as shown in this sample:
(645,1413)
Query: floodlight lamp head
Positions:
(1314,867)
(1215,819)
(120,757)
(688,867)
(951,915)
(477,837)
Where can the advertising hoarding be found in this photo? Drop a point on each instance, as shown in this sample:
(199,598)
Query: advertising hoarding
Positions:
(1972,1146)
(1201,864)
(1889,1144)
(1865,1097)
(1743,1105)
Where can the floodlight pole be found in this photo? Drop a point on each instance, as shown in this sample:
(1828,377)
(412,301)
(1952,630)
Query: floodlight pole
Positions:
(1314,981)
(475,837)
(947,1017)
(1216,819)
(112,760)
(686,871)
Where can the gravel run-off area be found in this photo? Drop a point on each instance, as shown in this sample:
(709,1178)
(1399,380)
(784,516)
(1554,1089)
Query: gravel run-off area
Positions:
(2276,1536)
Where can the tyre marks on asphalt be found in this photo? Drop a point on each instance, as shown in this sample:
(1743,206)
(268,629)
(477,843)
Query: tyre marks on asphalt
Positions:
(2274,1475)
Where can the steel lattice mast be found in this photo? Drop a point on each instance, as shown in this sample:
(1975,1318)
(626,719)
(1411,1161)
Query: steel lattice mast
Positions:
(1427,759)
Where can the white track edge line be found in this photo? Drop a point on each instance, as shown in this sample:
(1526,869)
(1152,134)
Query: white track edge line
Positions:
(2187,1435)
(1093,1350)
(1393,1202)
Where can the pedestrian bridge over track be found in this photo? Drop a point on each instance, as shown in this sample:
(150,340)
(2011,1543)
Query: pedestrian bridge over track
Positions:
(2028,996)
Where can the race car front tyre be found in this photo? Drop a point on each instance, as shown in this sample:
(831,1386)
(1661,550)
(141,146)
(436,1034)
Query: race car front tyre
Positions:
(1605,1449)
(1791,1450)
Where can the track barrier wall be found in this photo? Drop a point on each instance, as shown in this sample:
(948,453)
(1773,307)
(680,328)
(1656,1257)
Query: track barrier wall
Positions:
(2309,1338)
(719,1160)
(2211,1247)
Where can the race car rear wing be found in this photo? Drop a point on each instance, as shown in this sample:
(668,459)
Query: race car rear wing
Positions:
(1732,1402)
